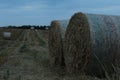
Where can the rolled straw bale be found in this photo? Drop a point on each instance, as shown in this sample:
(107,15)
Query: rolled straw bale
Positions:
(6,35)
(32,28)
(55,42)
(92,42)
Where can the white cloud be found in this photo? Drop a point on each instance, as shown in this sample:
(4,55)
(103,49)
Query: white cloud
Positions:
(108,8)
(29,6)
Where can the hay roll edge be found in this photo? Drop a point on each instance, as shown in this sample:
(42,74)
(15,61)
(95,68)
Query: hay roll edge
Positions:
(77,43)
(90,37)
(55,42)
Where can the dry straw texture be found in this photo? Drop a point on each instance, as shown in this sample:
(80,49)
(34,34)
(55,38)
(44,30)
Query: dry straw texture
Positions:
(92,43)
(77,43)
(55,42)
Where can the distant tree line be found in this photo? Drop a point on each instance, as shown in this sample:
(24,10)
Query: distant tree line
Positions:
(28,27)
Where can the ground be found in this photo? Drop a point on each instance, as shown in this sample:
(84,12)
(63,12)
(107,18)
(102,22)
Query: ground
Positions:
(27,58)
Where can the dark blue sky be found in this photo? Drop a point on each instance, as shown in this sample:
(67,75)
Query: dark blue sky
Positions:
(42,12)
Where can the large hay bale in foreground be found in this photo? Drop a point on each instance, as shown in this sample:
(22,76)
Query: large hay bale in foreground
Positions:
(55,42)
(92,42)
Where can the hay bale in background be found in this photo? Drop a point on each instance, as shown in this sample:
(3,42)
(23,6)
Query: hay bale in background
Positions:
(92,41)
(55,42)
(6,35)
(46,28)
(14,33)
(32,28)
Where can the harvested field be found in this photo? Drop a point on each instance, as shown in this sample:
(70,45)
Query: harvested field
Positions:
(92,43)
(26,59)
(14,33)
(56,42)
(14,37)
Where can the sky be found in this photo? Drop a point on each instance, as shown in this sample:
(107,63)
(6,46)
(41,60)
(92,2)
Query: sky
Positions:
(42,12)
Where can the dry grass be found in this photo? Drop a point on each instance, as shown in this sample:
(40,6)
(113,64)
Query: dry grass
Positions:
(40,39)
(7,46)
(33,64)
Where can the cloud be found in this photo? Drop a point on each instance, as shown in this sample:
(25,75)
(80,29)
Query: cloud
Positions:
(31,7)
(28,6)
(105,9)
(43,11)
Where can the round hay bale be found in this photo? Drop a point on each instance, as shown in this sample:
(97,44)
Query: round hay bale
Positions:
(32,28)
(46,28)
(77,43)
(55,42)
(6,35)
(92,43)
